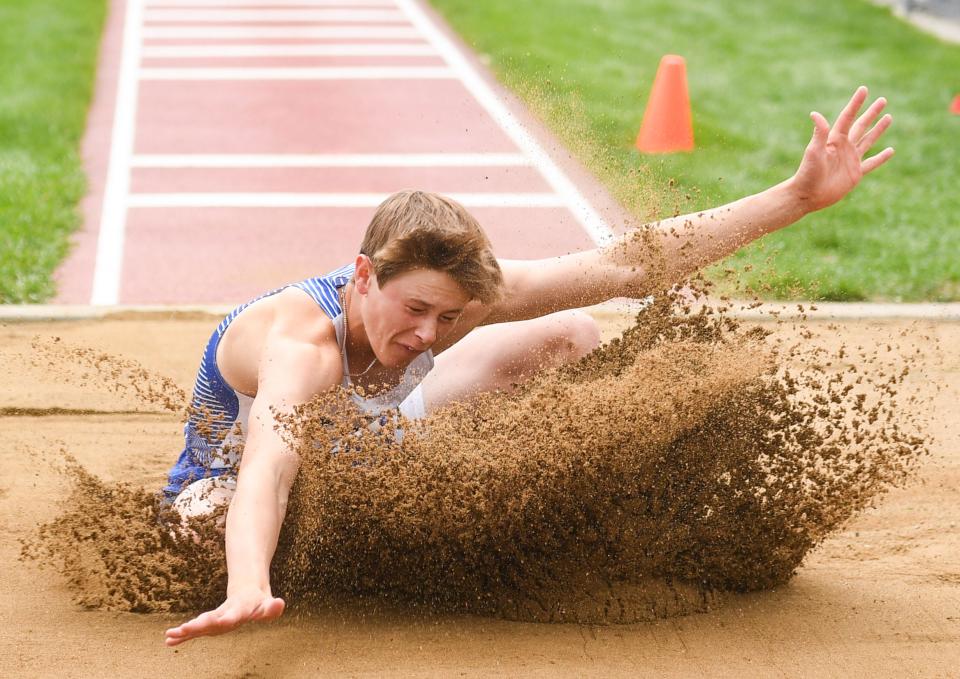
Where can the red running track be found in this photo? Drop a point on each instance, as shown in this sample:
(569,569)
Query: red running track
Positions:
(232,147)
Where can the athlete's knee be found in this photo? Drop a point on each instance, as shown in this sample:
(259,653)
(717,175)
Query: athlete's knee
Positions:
(561,338)
(576,335)
(587,333)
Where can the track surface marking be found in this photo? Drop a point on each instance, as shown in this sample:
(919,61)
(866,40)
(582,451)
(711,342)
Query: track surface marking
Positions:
(235,146)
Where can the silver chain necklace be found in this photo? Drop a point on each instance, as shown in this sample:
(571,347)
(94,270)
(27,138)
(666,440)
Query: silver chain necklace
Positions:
(346,338)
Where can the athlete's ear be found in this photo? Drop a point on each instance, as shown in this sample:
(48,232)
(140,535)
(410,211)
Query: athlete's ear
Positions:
(363,274)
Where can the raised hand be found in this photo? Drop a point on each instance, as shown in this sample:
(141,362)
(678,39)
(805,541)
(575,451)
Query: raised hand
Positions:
(833,163)
(239,608)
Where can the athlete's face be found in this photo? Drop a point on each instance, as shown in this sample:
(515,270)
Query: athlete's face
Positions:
(410,313)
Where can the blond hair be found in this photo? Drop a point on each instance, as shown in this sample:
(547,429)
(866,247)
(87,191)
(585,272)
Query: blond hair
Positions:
(422,230)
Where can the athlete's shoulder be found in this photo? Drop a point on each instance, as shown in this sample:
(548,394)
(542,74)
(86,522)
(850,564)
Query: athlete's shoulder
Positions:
(297,316)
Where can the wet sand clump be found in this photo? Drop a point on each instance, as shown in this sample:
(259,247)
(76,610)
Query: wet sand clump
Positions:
(691,457)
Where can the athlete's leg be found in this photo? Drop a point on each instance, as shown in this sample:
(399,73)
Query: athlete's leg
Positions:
(498,356)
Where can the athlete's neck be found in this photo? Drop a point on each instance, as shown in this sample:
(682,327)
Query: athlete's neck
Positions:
(359,353)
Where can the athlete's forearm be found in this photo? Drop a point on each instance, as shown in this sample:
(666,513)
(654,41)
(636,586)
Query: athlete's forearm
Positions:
(664,253)
(647,260)
(253,527)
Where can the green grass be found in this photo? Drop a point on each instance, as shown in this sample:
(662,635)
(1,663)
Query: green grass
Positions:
(755,71)
(48,49)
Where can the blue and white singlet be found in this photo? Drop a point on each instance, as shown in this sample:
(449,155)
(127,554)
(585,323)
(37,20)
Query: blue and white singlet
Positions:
(215,430)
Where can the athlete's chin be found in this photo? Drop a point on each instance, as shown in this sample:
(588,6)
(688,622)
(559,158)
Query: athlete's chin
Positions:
(395,363)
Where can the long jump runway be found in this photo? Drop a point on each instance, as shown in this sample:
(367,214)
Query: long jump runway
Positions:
(237,145)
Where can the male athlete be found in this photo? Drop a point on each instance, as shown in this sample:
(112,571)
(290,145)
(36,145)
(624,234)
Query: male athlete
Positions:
(428,311)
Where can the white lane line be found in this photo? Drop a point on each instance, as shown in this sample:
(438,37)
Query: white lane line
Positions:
(240,160)
(246,32)
(265,15)
(324,50)
(588,217)
(110,240)
(278,199)
(270,3)
(305,73)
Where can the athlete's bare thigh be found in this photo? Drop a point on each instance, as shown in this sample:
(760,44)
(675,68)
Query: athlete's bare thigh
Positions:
(494,357)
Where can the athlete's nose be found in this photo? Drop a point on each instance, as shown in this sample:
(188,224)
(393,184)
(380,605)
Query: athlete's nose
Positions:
(426,332)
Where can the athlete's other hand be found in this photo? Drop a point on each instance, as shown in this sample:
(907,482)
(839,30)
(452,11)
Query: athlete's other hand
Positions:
(240,607)
(833,163)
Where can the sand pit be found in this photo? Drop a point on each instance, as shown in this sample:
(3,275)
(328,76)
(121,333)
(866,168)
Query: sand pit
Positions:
(879,597)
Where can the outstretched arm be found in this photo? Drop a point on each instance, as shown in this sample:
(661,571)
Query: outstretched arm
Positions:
(650,260)
(297,362)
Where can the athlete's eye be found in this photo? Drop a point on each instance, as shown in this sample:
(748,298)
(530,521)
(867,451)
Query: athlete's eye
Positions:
(414,310)
(447,319)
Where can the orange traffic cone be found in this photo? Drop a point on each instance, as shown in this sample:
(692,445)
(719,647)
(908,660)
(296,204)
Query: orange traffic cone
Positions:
(955,106)
(667,124)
